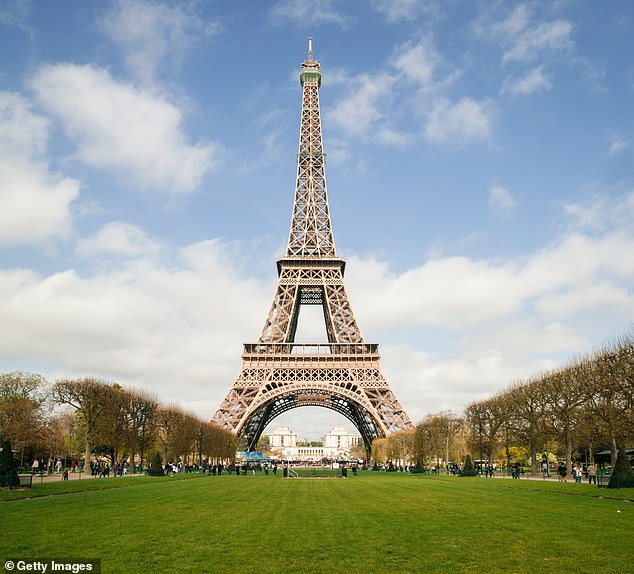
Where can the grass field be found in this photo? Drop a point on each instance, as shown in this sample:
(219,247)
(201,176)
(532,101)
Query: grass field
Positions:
(376,522)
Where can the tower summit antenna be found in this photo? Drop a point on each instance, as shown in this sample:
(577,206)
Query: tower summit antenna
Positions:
(310,49)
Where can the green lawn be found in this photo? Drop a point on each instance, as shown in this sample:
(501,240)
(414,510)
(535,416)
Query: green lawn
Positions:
(376,522)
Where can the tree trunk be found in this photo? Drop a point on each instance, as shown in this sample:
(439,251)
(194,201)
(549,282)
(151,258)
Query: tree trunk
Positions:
(568,452)
(533,458)
(87,455)
(614,452)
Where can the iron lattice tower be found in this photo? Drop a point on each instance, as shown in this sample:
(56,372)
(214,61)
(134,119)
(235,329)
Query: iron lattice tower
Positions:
(278,374)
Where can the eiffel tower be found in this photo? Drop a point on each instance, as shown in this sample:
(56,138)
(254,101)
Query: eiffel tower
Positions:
(278,374)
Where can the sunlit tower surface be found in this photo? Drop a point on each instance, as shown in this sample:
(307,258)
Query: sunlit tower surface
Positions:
(278,374)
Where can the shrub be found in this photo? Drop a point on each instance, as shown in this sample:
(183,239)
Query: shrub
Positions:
(469,470)
(8,466)
(622,474)
(156,468)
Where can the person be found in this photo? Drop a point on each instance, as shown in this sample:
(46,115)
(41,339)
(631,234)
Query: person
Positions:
(592,474)
(65,474)
(36,465)
(562,472)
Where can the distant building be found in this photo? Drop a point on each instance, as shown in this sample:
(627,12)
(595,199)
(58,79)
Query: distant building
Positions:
(341,440)
(282,438)
(337,445)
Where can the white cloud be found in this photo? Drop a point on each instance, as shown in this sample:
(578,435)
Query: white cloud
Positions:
(121,240)
(460,122)
(618,145)
(474,327)
(149,33)
(614,208)
(120,128)
(36,203)
(545,37)
(417,62)
(534,81)
(397,10)
(500,199)
(177,330)
(315,12)
(523,36)
(16,15)
(471,326)
(513,26)
(361,111)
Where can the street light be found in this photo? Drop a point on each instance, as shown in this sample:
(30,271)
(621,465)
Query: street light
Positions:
(480,412)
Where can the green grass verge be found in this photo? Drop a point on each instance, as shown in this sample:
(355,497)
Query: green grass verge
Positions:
(376,522)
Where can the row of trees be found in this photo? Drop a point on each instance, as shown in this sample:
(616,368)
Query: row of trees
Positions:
(102,419)
(583,407)
(587,405)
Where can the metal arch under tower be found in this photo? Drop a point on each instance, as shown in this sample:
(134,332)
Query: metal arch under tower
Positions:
(278,374)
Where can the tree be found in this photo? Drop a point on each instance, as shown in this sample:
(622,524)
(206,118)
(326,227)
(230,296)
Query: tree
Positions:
(611,377)
(438,431)
(89,397)
(176,432)
(528,408)
(141,423)
(22,414)
(565,393)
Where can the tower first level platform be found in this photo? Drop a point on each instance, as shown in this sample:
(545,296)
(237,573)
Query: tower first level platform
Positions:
(277,377)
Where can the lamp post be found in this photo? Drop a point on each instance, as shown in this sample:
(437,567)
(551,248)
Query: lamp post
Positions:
(200,447)
(480,412)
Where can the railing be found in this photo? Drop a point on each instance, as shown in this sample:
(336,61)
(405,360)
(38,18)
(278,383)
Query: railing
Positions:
(311,349)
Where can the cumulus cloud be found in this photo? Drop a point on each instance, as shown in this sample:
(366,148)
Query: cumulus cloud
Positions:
(500,199)
(618,145)
(36,202)
(397,10)
(534,81)
(470,326)
(362,110)
(367,110)
(16,15)
(177,330)
(120,240)
(417,62)
(121,128)
(475,326)
(544,37)
(459,122)
(316,12)
(148,33)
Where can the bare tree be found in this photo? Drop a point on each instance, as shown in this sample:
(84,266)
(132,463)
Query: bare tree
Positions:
(141,423)
(528,411)
(176,432)
(611,392)
(89,397)
(565,392)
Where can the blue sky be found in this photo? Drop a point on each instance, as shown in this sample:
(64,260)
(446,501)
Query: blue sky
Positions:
(479,174)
